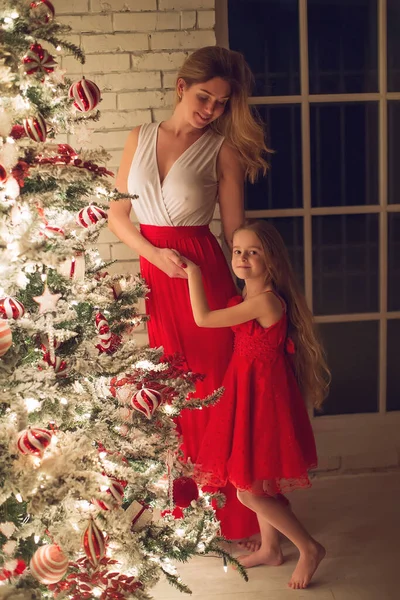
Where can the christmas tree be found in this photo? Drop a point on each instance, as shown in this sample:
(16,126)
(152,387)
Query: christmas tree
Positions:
(94,499)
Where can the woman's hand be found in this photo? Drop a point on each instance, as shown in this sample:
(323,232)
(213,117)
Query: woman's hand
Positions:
(169,262)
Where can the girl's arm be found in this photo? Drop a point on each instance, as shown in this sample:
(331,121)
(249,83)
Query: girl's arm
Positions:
(230,191)
(254,308)
(120,224)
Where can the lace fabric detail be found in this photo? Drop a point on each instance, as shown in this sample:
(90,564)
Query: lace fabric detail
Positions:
(260,487)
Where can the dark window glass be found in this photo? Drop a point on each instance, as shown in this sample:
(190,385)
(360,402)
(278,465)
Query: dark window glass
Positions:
(267,33)
(393,370)
(394,151)
(342,46)
(282,186)
(352,352)
(345,264)
(344,154)
(393,50)
(394,262)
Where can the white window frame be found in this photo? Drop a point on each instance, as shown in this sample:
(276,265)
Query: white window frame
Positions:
(369,424)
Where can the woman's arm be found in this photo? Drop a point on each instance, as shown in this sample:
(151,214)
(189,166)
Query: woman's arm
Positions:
(255,308)
(230,190)
(120,224)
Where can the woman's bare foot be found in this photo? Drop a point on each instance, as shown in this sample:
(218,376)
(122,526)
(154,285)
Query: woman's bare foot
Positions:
(272,557)
(306,567)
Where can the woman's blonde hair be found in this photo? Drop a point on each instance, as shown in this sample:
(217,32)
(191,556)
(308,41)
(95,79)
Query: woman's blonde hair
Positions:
(241,126)
(310,366)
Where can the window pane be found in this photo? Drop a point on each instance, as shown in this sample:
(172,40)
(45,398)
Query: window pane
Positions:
(342,46)
(393,371)
(394,262)
(393,28)
(344,154)
(394,152)
(352,352)
(345,264)
(267,33)
(282,187)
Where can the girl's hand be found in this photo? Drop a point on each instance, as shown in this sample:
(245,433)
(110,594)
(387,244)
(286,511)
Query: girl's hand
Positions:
(189,265)
(169,262)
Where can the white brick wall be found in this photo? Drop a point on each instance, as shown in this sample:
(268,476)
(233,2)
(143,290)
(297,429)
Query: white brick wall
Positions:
(133,50)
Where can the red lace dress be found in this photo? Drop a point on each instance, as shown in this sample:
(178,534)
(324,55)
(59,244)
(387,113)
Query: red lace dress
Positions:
(259,437)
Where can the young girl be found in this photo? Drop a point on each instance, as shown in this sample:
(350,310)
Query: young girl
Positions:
(260,437)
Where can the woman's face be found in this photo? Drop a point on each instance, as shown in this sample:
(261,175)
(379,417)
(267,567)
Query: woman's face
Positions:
(202,103)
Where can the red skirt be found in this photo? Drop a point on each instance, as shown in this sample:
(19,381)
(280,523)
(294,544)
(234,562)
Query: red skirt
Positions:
(206,351)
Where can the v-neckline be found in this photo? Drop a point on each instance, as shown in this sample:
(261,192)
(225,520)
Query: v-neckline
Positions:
(161,183)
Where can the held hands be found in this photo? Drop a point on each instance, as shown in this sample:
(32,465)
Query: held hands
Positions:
(189,266)
(170,262)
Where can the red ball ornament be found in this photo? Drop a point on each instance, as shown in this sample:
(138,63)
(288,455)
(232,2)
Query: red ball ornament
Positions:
(49,564)
(3,174)
(34,441)
(35,128)
(116,491)
(93,543)
(184,490)
(5,337)
(38,61)
(42,11)
(10,308)
(86,95)
(90,215)
(146,401)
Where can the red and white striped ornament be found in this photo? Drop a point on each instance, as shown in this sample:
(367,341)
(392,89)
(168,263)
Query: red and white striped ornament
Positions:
(90,215)
(73,267)
(42,11)
(146,401)
(103,332)
(38,60)
(5,337)
(86,94)
(10,308)
(34,441)
(139,514)
(49,564)
(93,543)
(59,365)
(51,232)
(36,128)
(116,491)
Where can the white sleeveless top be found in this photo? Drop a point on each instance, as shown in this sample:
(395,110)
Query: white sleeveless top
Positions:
(188,194)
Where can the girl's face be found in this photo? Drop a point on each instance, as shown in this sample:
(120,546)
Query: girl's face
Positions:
(202,103)
(248,259)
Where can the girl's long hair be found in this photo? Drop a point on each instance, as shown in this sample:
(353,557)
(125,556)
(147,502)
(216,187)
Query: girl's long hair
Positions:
(310,366)
(241,126)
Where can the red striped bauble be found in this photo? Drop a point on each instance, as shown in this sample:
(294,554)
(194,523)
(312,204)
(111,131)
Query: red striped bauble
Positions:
(5,337)
(146,401)
(93,543)
(34,440)
(36,128)
(10,308)
(90,215)
(42,11)
(116,491)
(49,564)
(86,95)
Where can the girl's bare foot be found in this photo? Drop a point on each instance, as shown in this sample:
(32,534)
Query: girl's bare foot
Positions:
(306,567)
(272,557)
(250,544)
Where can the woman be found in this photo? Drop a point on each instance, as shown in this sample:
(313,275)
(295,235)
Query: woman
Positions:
(178,169)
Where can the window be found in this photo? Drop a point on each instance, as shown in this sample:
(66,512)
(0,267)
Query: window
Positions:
(327,86)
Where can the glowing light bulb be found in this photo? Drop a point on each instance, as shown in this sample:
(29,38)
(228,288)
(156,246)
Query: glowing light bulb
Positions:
(31,404)
(18,497)
(37,539)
